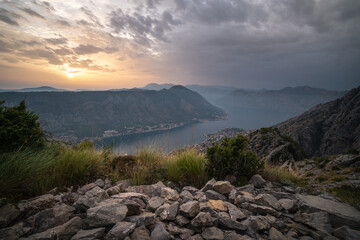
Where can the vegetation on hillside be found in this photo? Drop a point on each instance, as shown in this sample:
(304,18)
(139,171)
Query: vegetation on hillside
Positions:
(19,128)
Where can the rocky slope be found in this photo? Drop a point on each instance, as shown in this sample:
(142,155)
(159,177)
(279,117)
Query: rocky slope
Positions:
(86,114)
(260,210)
(329,128)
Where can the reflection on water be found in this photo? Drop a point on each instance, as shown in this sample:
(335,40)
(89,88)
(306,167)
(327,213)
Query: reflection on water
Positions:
(192,133)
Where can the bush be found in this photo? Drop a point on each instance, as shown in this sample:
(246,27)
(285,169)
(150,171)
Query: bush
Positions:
(232,158)
(186,168)
(19,128)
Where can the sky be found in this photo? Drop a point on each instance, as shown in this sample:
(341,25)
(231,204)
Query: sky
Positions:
(109,44)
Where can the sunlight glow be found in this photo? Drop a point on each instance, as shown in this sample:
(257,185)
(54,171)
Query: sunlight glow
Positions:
(71,72)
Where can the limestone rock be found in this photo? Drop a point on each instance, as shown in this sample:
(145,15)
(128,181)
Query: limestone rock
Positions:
(168,212)
(212,233)
(234,212)
(267,200)
(143,219)
(65,231)
(288,204)
(154,203)
(190,209)
(346,233)
(223,187)
(169,194)
(160,233)
(86,188)
(232,224)
(92,197)
(140,233)
(186,196)
(8,213)
(149,190)
(203,219)
(106,214)
(191,189)
(260,209)
(120,230)
(181,220)
(49,218)
(275,234)
(92,234)
(217,205)
(257,181)
(211,194)
(339,213)
(35,205)
(209,185)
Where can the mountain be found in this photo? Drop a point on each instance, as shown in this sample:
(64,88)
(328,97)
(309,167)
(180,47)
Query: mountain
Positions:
(291,100)
(86,114)
(157,87)
(36,89)
(329,128)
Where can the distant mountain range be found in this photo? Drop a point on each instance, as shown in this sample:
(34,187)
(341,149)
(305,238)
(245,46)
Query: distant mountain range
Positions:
(330,128)
(90,113)
(289,100)
(36,89)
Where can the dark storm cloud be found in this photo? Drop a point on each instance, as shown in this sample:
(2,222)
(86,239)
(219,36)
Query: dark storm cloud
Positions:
(270,44)
(142,28)
(9,17)
(32,13)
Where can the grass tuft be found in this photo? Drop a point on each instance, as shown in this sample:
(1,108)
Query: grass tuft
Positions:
(283,175)
(347,193)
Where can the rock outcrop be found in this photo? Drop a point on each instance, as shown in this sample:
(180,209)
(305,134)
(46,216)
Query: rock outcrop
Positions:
(330,128)
(260,210)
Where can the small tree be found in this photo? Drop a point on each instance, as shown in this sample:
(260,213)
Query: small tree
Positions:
(19,128)
(232,158)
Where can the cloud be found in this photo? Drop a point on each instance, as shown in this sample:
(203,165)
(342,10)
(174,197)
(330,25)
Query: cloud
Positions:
(63,23)
(56,41)
(45,54)
(32,13)
(94,19)
(144,29)
(90,49)
(9,17)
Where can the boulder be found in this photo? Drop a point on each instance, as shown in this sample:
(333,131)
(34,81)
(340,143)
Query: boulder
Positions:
(49,218)
(140,233)
(120,230)
(232,224)
(203,219)
(106,214)
(154,203)
(149,190)
(181,220)
(234,212)
(93,197)
(257,181)
(223,187)
(8,213)
(217,205)
(168,212)
(140,198)
(318,221)
(275,234)
(212,233)
(64,231)
(339,213)
(190,209)
(346,233)
(143,219)
(92,234)
(160,233)
(288,205)
(209,185)
(211,194)
(35,205)
(186,196)
(257,209)
(169,194)
(267,200)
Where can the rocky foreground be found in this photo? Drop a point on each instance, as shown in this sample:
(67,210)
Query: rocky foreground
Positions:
(260,210)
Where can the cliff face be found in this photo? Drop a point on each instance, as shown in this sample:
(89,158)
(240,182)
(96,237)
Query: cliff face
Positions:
(91,113)
(329,128)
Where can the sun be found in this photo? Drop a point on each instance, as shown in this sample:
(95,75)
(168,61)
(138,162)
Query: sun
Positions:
(71,72)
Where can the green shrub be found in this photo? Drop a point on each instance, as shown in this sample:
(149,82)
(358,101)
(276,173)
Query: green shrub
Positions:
(231,157)
(186,168)
(19,128)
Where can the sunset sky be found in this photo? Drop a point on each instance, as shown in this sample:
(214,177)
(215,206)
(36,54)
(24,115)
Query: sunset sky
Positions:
(105,44)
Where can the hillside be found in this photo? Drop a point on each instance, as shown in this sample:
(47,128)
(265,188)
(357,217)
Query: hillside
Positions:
(287,100)
(90,113)
(329,128)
